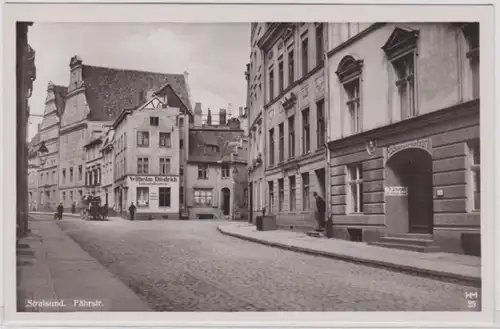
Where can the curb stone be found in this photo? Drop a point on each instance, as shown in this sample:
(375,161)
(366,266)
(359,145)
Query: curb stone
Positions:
(436,274)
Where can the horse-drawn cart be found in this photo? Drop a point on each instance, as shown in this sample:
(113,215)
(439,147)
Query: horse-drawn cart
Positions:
(91,208)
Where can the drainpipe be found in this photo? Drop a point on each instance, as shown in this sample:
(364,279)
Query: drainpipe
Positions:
(329,220)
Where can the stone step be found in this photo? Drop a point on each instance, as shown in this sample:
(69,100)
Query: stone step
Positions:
(405,247)
(315,234)
(410,241)
(420,236)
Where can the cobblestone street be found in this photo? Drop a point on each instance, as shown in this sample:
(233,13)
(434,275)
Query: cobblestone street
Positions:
(190,266)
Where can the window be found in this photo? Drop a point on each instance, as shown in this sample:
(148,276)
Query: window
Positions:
(281,75)
(71,174)
(80,172)
(142,197)
(353,105)
(305,191)
(281,194)
(291,67)
(63,174)
(71,195)
(471,33)
(271,147)
(226,172)
(181,143)
(181,171)
(293,199)
(405,68)
(355,187)
(271,84)
(305,56)
(202,171)
(306,132)
(319,44)
(475,175)
(124,140)
(270,185)
(143,138)
(64,196)
(181,195)
(320,124)
(165,140)
(164,166)
(143,165)
(154,121)
(164,196)
(53,176)
(291,137)
(181,122)
(203,198)
(281,142)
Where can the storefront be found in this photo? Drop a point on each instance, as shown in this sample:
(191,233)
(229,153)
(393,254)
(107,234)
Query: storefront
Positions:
(154,196)
(415,179)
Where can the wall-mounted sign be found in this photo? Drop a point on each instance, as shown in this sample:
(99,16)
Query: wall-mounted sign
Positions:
(396,190)
(153,180)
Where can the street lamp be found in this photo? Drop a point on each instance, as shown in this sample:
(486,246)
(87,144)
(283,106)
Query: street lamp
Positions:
(42,153)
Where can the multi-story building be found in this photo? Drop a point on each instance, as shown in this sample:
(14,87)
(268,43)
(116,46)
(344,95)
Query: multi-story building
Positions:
(108,169)
(33,166)
(95,97)
(93,166)
(256,124)
(147,151)
(404,133)
(49,135)
(216,168)
(295,120)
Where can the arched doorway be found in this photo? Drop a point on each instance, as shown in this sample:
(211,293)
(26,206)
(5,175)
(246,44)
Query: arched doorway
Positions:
(409,194)
(226,201)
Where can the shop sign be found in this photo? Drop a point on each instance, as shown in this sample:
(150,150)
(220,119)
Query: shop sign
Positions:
(424,144)
(396,190)
(153,180)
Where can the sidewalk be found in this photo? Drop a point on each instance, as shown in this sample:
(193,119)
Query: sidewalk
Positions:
(55,268)
(440,265)
(66,214)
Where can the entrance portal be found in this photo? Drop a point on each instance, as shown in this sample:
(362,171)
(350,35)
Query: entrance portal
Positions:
(409,194)
(226,199)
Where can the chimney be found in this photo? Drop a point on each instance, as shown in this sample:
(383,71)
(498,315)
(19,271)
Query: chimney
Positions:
(222,117)
(197,115)
(76,77)
(209,118)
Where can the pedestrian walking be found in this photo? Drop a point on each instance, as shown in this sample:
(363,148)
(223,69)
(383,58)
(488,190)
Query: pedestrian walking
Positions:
(131,210)
(73,207)
(320,212)
(60,210)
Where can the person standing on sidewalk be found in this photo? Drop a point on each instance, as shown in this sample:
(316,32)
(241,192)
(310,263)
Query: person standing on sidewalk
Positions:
(60,210)
(73,207)
(131,210)
(320,212)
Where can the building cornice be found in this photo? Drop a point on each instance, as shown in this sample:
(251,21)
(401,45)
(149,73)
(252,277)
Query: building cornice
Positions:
(470,108)
(273,33)
(74,127)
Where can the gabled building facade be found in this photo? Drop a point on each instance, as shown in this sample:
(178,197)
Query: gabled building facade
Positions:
(108,165)
(216,169)
(404,134)
(147,152)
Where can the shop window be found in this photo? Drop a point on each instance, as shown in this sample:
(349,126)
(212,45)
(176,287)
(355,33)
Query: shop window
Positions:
(293,195)
(164,166)
(164,196)
(306,203)
(203,198)
(143,139)
(142,196)
(271,196)
(355,188)
(202,171)
(143,165)
(165,140)
(281,194)
(226,171)
(475,175)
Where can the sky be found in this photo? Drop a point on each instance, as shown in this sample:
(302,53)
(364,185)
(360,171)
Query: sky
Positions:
(214,55)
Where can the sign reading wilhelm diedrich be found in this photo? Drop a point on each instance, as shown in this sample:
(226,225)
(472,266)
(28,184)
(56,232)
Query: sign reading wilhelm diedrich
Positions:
(153,180)
(424,144)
